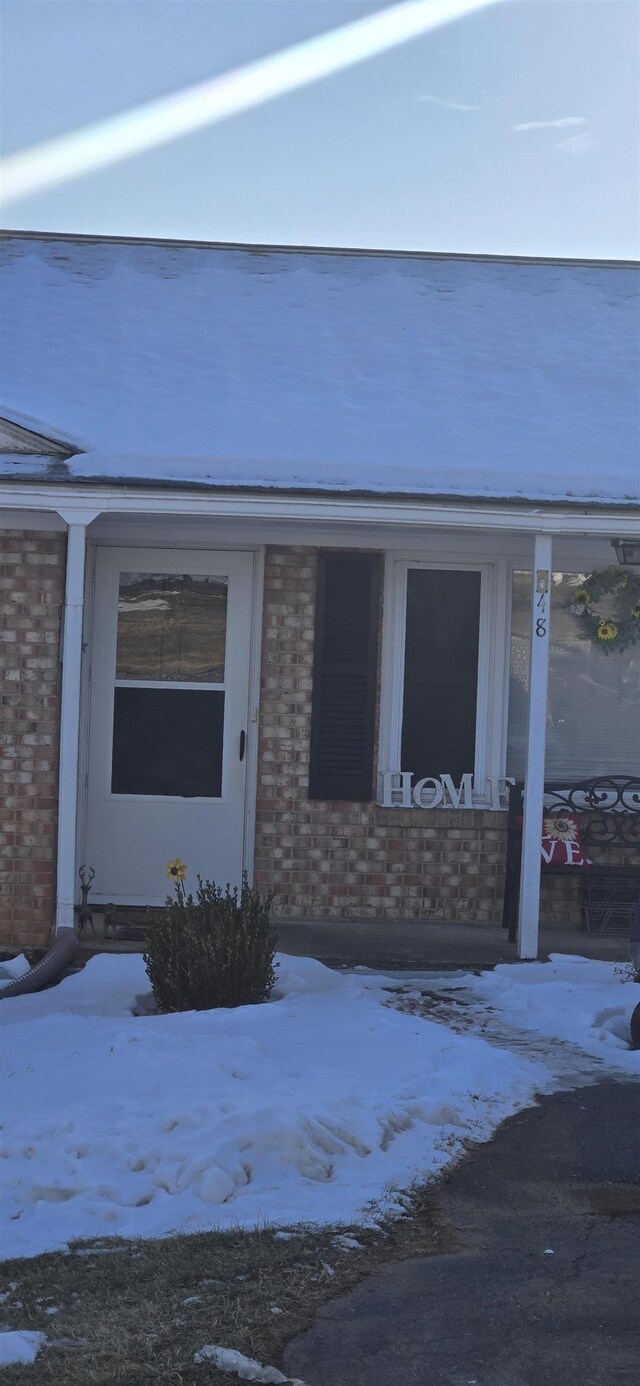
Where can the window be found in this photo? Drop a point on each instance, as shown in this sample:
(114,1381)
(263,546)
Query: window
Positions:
(171,626)
(593,706)
(440,672)
(168,713)
(167,741)
(438,713)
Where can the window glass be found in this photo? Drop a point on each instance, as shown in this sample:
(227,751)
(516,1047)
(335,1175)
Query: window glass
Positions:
(441,672)
(168,741)
(171,626)
(593,706)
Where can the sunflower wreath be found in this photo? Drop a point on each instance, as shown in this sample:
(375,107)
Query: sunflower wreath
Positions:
(617,631)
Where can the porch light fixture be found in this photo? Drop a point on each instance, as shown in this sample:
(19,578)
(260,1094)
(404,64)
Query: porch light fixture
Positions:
(627,550)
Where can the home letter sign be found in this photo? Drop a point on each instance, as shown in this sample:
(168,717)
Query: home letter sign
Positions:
(398,791)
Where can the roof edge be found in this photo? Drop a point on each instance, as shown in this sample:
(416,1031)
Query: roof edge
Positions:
(259,248)
(65,479)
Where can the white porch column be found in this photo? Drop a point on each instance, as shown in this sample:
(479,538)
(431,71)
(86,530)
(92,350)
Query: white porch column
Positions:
(70,713)
(529,913)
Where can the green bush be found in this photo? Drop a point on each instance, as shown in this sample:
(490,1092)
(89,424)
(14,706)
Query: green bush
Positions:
(214,949)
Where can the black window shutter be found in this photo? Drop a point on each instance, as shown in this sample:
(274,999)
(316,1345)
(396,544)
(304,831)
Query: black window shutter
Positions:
(344,677)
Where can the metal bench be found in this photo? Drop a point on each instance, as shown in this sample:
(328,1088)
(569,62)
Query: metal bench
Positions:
(608,810)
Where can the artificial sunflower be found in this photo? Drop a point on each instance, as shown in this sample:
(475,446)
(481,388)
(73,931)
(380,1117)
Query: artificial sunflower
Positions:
(610,630)
(176,870)
(559,829)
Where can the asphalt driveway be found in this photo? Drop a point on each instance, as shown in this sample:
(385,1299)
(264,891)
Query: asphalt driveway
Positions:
(543,1286)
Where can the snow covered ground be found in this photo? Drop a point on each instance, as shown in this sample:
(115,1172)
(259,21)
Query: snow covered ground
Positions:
(580,1001)
(308,1108)
(236,1364)
(19,1345)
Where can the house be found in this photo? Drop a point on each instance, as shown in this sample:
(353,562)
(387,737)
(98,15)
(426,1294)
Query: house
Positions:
(269,524)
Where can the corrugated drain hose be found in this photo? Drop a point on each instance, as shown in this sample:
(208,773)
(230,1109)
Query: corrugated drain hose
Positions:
(48,970)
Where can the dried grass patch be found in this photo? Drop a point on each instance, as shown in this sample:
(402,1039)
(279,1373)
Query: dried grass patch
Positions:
(122,1319)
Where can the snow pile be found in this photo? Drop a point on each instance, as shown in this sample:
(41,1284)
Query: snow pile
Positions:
(304,1109)
(228,1360)
(10,968)
(18,1345)
(579,1000)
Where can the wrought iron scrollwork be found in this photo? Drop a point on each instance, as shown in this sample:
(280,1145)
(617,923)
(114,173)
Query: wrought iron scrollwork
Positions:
(609,808)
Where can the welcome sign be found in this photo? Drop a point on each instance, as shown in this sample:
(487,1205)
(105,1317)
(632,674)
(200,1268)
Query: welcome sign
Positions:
(397,790)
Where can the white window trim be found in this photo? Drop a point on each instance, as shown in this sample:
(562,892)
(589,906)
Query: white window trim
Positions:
(493,663)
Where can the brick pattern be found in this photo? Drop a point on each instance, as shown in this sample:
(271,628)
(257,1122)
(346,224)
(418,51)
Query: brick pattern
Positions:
(32,567)
(351,861)
(324,860)
(560,901)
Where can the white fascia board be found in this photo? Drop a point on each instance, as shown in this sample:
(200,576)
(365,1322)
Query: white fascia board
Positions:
(44,520)
(528,518)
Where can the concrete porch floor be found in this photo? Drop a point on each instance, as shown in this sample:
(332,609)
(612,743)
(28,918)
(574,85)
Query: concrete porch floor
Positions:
(424,945)
(402,944)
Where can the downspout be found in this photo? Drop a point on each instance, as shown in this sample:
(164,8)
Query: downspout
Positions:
(71,655)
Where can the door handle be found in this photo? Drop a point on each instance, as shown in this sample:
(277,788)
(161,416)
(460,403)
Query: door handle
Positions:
(243,742)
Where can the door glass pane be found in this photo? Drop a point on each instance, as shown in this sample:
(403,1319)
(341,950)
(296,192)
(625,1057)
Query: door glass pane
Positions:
(441,673)
(168,741)
(171,626)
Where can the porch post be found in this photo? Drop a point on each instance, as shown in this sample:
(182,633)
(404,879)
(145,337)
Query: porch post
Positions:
(71,655)
(529,913)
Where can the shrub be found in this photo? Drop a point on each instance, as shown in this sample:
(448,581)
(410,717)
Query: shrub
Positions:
(211,949)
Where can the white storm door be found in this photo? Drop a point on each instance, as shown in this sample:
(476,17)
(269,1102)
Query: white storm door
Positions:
(168,720)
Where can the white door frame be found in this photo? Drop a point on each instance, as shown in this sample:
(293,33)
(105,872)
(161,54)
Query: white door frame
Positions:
(253,715)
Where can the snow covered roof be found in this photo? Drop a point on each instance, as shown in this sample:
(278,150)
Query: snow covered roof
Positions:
(338,371)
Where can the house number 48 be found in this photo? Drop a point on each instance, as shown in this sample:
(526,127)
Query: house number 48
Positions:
(542,601)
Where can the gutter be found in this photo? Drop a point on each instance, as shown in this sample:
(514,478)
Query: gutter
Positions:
(579,517)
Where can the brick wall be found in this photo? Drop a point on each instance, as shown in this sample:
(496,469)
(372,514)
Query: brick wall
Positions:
(31,597)
(324,860)
(337,860)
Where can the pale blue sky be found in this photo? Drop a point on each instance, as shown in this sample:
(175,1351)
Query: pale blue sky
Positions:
(384,155)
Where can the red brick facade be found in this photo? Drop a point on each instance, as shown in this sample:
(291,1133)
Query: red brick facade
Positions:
(323,859)
(31,598)
(339,860)
(358,861)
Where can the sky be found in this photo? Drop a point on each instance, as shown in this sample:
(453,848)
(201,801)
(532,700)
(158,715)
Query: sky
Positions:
(513,130)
